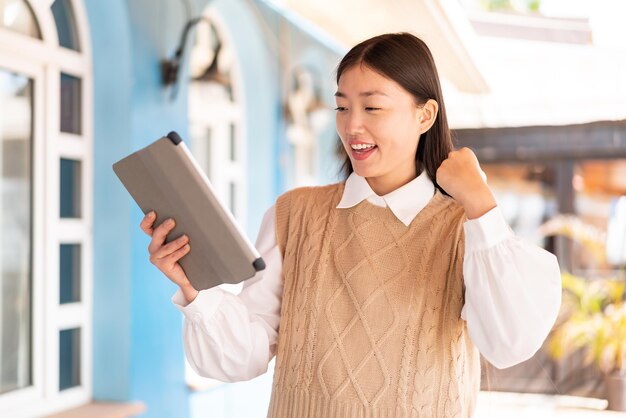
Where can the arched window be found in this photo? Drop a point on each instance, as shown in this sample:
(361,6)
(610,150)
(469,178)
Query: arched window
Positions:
(45,207)
(216,114)
(307,117)
(216,126)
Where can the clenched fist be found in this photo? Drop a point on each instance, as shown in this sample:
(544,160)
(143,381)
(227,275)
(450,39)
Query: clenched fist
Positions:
(460,175)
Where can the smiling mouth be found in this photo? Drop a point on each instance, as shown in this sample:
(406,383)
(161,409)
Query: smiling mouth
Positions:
(363,149)
(362,154)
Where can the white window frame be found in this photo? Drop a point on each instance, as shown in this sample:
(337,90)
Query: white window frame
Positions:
(44,61)
(218,118)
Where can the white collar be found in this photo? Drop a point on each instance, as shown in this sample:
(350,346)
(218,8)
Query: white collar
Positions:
(405,202)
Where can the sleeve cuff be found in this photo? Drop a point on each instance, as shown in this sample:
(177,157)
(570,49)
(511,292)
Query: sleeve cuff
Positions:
(203,306)
(486,231)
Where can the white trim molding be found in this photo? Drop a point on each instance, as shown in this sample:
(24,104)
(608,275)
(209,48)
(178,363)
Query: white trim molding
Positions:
(43,60)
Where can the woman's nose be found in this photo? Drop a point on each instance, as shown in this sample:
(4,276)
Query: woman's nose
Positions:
(354,123)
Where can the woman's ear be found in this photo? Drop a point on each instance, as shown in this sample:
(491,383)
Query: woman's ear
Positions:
(428,114)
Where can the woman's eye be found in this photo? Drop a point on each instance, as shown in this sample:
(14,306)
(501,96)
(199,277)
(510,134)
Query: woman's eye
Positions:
(340,109)
(372,108)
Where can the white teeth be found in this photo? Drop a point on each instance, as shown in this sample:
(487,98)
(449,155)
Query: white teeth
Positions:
(362,146)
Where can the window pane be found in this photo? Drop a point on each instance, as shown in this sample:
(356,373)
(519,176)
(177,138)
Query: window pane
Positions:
(16,15)
(70,273)
(69,358)
(201,147)
(232,200)
(70,188)
(66,24)
(70,104)
(233,143)
(16,114)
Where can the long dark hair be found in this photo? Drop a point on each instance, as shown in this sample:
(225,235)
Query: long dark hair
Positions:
(405,59)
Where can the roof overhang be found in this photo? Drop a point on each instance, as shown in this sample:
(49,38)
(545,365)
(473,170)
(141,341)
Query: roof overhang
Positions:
(441,24)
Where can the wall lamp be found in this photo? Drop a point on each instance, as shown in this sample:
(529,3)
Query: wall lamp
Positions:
(170,68)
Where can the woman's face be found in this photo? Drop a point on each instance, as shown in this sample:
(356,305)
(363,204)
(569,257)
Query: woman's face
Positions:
(381,119)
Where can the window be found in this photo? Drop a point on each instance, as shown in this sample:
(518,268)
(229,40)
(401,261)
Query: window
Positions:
(45,208)
(70,104)
(15,241)
(69,358)
(215,117)
(69,273)
(70,188)
(17,16)
(65,23)
(307,117)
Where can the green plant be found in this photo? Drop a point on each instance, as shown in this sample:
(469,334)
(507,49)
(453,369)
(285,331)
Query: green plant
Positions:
(523,6)
(593,312)
(571,226)
(593,317)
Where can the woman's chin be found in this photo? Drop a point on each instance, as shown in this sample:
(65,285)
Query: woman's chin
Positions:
(363,171)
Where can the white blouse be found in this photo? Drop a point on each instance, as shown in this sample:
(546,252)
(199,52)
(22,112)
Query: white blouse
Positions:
(512,293)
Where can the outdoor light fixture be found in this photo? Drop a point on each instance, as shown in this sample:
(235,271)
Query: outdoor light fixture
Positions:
(306,116)
(170,68)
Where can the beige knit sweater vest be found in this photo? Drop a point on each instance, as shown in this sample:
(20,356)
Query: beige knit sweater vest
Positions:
(370,317)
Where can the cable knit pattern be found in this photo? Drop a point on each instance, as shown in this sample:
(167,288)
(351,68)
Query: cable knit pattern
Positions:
(370,316)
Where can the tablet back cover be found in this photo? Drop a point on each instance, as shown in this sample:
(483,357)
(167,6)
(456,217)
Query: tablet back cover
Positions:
(164,177)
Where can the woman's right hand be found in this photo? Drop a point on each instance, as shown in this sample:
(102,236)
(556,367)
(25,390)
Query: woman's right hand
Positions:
(165,256)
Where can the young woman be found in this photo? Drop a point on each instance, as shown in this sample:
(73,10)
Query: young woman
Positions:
(381,290)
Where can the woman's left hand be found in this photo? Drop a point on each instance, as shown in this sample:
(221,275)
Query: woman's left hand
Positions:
(461,177)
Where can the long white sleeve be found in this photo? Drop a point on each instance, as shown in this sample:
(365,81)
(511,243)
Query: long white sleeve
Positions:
(233,337)
(512,291)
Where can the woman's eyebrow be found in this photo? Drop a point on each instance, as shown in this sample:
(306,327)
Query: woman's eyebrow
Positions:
(365,93)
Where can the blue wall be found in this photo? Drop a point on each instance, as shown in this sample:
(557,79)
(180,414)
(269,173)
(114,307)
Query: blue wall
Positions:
(112,68)
(138,352)
(157,375)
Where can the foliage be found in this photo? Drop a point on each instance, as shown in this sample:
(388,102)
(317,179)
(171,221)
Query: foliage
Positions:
(595,319)
(593,312)
(524,6)
(574,228)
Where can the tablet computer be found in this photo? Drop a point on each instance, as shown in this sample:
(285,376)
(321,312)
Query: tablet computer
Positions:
(165,177)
